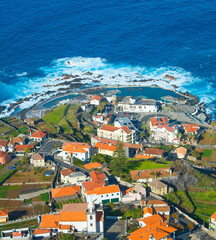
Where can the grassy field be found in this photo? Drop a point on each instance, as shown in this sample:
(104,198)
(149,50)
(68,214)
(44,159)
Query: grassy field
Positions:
(44,197)
(145,164)
(55,115)
(207,153)
(205,204)
(4,190)
(3,177)
(4,128)
(208,138)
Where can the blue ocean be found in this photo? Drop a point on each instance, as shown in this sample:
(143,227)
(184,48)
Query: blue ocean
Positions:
(111,38)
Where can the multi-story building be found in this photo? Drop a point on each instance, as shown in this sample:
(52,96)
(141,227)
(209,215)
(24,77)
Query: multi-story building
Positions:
(137,105)
(78,150)
(3,145)
(158,187)
(95,100)
(37,160)
(212,223)
(38,136)
(122,134)
(3,216)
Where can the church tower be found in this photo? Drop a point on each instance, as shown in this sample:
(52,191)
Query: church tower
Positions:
(91,217)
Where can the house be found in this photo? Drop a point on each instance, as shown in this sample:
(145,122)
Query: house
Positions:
(77,217)
(10,147)
(212,223)
(4,157)
(18,140)
(151,153)
(130,149)
(29,121)
(159,207)
(103,194)
(105,148)
(148,175)
(136,193)
(20,149)
(162,131)
(94,165)
(158,187)
(122,134)
(37,160)
(139,105)
(41,233)
(78,150)
(95,100)
(102,118)
(191,128)
(66,193)
(3,216)
(153,228)
(38,136)
(180,152)
(21,233)
(70,175)
(3,145)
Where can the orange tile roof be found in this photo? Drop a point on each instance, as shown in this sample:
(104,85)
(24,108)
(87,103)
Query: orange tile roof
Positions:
(152,219)
(38,134)
(141,156)
(105,146)
(159,120)
(156,202)
(67,171)
(96,176)
(18,140)
(147,210)
(3,213)
(73,147)
(126,129)
(96,123)
(37,156)
(214,216)
(64,227)
(109,128)
(104,190)
(49,221)
(65,191)
(162,209)
(38,231)
(154,151)
(73,216)
(96,97)
(92,165)
(17,234)
(181,150)
(129,190)
(23,147)
(191,128)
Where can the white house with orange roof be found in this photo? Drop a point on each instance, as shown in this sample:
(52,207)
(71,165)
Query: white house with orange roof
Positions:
(78,150)
(80,217)
(38,136)
(153,228)
(102,118)
(191,128)
(104,194)
(95,100)
(212,223)
(161,130)
(180,152)
(3,216)
(122,134)
(70,175)
(105,148)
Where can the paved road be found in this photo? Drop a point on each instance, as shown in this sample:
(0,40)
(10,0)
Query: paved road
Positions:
(113,229)
(6,167)
(49,146)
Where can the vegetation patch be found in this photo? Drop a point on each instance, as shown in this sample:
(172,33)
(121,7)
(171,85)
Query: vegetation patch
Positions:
(145,164)
(55,115)
(207,153)
(44,197)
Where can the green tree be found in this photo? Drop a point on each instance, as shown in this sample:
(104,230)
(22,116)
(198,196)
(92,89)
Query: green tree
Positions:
(118,164)
(27,150)
(66,236)
(190,226)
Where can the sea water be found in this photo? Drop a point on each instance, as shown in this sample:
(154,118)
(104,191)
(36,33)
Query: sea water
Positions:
(120,40)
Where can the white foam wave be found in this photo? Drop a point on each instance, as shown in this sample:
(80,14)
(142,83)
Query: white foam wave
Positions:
(99,71)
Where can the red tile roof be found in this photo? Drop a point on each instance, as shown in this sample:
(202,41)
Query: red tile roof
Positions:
(3,213)
(21,148)
(105,146)
(3,154)
(67,171)
(154,151)
(92,185)
(96,97)
(38,134)
(110,128)
(181,150)
(159,120)
(3,142)
(191,128)
(97,177)
(126,129)
(41,231)
(18,140)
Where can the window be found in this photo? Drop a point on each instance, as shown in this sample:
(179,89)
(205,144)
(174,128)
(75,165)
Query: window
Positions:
(107,195)
(91,224)
(112,194)
(117,193)
(101,195)
(91,217)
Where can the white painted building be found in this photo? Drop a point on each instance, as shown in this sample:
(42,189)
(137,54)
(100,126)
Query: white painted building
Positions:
(137,106)
(78,150)
(71,176)
(122,134)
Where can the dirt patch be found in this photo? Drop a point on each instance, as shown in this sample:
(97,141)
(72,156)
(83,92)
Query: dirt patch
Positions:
(7,204)
(196,190)
(13,193)
(206,202)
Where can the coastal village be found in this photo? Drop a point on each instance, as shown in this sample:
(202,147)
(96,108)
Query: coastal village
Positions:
(103,166)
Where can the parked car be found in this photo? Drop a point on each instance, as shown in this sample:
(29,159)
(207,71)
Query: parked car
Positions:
(12,167)
(16,164)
